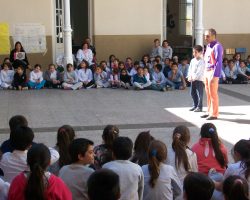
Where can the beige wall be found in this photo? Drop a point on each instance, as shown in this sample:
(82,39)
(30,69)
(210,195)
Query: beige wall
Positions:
(227,16)
(127,17)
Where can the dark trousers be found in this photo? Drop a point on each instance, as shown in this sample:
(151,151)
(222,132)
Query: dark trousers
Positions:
(88,84)
(50,84)
(197,93)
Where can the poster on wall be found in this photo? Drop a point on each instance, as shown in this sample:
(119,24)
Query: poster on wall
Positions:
(31,35)
(4,39)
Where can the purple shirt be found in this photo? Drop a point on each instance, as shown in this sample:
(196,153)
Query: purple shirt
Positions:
(213,58)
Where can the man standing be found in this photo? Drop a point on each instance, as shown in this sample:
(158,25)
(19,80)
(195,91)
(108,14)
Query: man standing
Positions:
(213,66)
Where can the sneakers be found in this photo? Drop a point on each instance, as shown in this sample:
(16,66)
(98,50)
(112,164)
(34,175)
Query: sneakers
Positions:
(192,109)
(91,86)
(198,110)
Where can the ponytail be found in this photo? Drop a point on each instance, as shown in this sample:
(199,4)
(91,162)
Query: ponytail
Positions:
(181,137)
(235,187)
(35,186)
(208,130)
(38,159)
(157,154)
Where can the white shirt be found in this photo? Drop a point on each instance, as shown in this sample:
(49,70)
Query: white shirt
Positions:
(196,69)
(131,178)
(167,185)
(7,76)
(158,77)
(14,163)
(75,176)
(85,75)
(181,172)
(4,189)
(53,75)
(36,76)
(84,55)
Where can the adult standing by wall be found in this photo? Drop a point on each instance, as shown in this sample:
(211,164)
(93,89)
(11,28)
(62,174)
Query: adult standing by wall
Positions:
(213,67)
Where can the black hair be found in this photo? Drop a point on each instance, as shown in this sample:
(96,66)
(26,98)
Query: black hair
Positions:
(175,63)
(136,63)
(242,147)
(79,146)
(208,130)
(122,148)
(198,48)
(22,50)
(139,68)
(37,65)
(65,136)
(17,120)
(141,146)
(158,66)
(38,159)
(21,138)
(103,185)
(235,187)
(198,186)
(86,63)
(69,65)
(110,133)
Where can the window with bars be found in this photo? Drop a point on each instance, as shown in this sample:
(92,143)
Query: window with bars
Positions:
(186,17)
(59,21)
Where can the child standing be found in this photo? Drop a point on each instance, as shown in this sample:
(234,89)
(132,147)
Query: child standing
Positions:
(139,80)
(76,175)
(85,75)
(125,79)
(114,78)
(130,174)
(71,79)
(52,77)
(6,77)
(101,78)
(20,80)
(195,77)
(159,80)
(160,180)
(36,78)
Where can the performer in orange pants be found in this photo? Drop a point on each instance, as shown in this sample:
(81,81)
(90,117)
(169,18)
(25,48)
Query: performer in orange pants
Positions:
(213,66)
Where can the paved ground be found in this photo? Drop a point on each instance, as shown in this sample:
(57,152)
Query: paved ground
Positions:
(133,111)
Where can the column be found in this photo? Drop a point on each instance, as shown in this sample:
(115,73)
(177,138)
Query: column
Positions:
(164,20)
(199,22)
(67,34)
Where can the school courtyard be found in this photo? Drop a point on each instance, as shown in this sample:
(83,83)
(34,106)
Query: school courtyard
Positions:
(88,111)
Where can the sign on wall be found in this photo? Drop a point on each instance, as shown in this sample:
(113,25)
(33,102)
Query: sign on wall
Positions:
(31,35)
(4,39)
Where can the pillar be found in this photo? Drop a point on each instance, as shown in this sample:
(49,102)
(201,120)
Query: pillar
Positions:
(199,22)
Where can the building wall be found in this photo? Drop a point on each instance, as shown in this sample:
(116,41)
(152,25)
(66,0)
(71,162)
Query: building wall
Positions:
(30,11)
(126,28)
(228,18)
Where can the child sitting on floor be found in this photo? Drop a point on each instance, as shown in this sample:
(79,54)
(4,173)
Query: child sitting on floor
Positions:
(139,80)
(101,78)
(20,80)
(6,76)
(52,77)
(85,75)
(71,79)
(134,69)
(76,175)
(176,77)
(36,80)
(125,79)
(114,78)
(159,80)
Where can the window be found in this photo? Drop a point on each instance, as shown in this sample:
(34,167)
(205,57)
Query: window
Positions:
(186,17)
(59,21)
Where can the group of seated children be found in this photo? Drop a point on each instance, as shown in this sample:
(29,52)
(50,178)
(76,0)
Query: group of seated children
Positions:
(117,169)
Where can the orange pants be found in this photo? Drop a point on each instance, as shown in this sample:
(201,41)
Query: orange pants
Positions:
(211,88)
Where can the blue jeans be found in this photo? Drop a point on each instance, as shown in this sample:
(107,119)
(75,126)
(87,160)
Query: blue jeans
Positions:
(37,86)
(197,94)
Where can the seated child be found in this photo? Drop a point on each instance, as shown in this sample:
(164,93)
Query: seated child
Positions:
(103,152)
(167,67)
(130,174)
(183,67)
(176,77)
(125,79)
(85,75)
(36,80)
(129,64)
(103,185)
(145,62)
(159,80)
(76,175)
(156,50)
(104,66)
(71,79)
(243,72)
(160,180)
(133,71)
(197,186)
(20,80)
(6,76)
(101,78)
(139,80)
(231,73)
(121,66)
(36,183)
(114,78)
(52,77)
(147,74)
